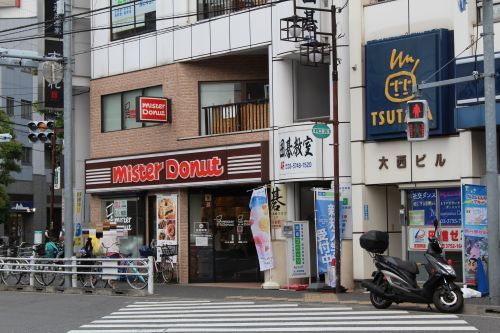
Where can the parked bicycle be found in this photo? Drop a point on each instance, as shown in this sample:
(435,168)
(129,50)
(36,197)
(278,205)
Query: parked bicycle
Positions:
(136,270)
(164,268)
(13,274)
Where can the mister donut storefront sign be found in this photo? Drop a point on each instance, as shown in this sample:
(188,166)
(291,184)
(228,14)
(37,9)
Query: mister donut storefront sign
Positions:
(154,109)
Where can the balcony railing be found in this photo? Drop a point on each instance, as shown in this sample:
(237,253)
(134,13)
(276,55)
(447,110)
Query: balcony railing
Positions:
(229,118)
(212,8)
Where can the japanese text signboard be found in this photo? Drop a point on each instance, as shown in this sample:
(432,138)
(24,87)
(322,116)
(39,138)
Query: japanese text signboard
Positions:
(450,238)
(300,153)
(392,66)
(298,250)
(325,228)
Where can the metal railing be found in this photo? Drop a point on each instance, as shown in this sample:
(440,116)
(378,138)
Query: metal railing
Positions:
(76,267)
(236,117)
(212,8)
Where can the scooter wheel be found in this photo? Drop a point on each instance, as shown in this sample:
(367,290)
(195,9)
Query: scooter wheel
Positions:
(448,301)
(379,302)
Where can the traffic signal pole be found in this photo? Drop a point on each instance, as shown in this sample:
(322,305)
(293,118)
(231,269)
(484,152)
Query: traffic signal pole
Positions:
(68,137)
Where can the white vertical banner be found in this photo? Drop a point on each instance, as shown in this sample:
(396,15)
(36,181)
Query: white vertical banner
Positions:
(166,221)
(298,250)
(259,223)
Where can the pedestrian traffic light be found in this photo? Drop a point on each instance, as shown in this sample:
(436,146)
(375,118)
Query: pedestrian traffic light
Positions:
(41,130)
(417,122)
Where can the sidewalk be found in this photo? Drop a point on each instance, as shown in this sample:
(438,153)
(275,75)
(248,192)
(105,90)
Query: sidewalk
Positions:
(253,291)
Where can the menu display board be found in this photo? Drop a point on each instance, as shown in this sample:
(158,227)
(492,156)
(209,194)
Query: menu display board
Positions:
(166,220)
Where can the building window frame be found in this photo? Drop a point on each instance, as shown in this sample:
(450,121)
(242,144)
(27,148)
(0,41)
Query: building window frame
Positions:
(137,27)
(123,110)
(9,106)
(27,156)
(25,109)
(496,11)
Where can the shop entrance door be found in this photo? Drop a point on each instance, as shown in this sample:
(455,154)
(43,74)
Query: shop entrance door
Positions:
(225,250)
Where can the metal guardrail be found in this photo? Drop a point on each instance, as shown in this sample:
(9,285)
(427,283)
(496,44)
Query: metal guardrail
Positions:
(72,266)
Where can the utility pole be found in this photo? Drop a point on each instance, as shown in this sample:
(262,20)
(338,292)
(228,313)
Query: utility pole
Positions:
(490,129)
(68,136)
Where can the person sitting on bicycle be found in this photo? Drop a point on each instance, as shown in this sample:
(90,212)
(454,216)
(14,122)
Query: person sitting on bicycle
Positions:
(51,249)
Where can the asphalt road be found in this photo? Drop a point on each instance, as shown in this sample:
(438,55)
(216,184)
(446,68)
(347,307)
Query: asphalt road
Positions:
(60,313)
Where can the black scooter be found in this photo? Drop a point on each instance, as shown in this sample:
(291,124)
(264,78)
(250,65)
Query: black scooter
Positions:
(395,279)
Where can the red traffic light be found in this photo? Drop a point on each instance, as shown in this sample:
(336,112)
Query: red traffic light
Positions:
(416,110)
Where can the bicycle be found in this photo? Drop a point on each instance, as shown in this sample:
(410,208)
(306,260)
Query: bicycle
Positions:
(136,276)
(165,266)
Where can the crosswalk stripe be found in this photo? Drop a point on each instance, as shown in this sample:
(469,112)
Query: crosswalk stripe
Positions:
(174,302)
(288,329)
(252,312)
(206,320)
(192,305)
(280,323)
(208,307)
(204,317)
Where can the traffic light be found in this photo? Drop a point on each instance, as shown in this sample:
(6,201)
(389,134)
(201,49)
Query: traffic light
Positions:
(41,130)
(418,123)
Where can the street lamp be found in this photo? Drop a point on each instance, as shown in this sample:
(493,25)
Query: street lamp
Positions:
(313,53)
(291,29)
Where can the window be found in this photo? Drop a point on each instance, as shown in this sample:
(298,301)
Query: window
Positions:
(213,8)
(496,11)
(26,157)
(10,106)
(233,106)
(312,93)
(119,110)
(130,18)
(25,109)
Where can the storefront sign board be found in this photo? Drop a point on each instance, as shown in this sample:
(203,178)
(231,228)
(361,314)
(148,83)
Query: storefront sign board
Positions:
(214,165)
(260,226)
(450,208)
(475,219)
(300,153)
(324,203)
(450,238)
(345,199)
(298,250)
(424,200)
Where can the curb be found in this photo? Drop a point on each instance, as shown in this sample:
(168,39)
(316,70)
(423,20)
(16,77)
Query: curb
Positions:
(76,291)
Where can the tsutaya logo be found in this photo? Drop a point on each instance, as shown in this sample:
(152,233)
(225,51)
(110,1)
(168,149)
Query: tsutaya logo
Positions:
(398,88)
(148,172)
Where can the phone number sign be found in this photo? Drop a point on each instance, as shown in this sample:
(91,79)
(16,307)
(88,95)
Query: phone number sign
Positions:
(450,238)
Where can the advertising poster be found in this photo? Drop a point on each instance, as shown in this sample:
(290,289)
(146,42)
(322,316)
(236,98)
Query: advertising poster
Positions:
(166,220)
(423,202)
(475,217)
(298,250)
(450,238)
(345,198)
(325,228)
(450,208)
(259,224)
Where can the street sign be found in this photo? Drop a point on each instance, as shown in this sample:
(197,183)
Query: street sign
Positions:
(321,131)
(5,137)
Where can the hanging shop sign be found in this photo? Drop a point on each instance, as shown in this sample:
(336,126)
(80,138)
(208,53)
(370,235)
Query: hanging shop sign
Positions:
(215,165)
(260,226)
(54,92)
(324,205)
(153,109)
(279,209)
(300,153)
(298,250)
(393,65)
(22,206)
(475,217)
(166,221)
(450,238)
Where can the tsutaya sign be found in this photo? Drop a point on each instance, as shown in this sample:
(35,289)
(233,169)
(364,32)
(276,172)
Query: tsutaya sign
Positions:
(226,164)
(393,65)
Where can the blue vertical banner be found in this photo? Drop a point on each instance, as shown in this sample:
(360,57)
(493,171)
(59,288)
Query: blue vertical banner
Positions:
(475,219)
(325,228)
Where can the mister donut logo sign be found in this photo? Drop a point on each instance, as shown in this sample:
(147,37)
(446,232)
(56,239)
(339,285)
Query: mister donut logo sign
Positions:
(154,109)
